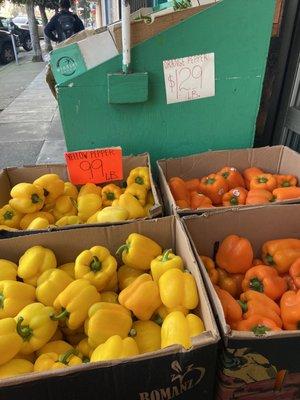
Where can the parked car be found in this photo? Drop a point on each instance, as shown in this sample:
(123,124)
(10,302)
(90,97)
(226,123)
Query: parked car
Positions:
(22,22)
(6,48)
(22,35)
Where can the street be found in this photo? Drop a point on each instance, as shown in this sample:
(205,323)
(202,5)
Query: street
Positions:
(30,127)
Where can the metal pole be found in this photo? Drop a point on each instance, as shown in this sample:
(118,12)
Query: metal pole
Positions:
(125,12)
(13,42)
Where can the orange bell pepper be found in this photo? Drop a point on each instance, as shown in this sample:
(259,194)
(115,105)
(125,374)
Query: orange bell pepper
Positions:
(257,324)
(192,185)
(232,283)
(294,273)
(183,204)
(281,253)
(178,189)
(233,177)
(290,310)
(214,186)
(235,254)
(286,193)
(286,180)
(199,200)
(250,173)
(255,303)
(235,197)
(264,279)
(231,307)
(263,181)
(259,196)
(210,268)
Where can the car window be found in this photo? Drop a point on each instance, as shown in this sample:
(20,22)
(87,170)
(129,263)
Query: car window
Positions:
(20,20)
(5,23)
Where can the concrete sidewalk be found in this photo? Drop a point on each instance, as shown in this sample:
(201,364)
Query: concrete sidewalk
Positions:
(30,127)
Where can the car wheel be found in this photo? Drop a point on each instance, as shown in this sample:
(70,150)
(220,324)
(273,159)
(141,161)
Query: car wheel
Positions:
(7,53)
(27,45)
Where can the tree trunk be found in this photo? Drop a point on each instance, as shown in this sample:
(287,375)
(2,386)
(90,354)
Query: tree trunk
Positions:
(33,32)
(48,46)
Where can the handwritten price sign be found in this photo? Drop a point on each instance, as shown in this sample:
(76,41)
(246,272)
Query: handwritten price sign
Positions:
(95,166)
(189,78)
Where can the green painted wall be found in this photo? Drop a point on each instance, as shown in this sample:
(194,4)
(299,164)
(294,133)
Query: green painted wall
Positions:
(237,31)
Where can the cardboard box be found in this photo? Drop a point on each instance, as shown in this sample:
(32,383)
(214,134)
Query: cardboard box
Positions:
(11,176)
(276,160)
(251,367)
(165,374)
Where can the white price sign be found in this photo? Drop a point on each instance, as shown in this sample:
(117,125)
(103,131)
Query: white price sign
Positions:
(189,78)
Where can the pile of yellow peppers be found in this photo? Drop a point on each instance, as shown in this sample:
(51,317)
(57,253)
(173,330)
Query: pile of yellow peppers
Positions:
(56,316)
(51,201)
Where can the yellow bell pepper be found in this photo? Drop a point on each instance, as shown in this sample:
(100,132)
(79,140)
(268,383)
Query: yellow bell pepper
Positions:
(38,223)
(178,288)
(141,297)
(109,297)
(50,284)
(57,336)
(115,348)
(90,188)
(34,262)
(85,350)
(87,205)
(96,265)
(139,251)
(110,193)
(49,361)
(126,275)
(10,217)
(28,218)
(68,220)
(106,320)
(146,335)
(27,198)
(14,296)
(178,329)
(131,204)
(10,341)
(8,270)
(93,218)
(35,326)
(163,263)
(70,190)
(138,191)
(163,311)
(64,206)
(7,228)
(112,284)
(110,214)
(15,367)
(139,175)
(196,325)
(74,302)
(57,346)
(69,269)
(52,186)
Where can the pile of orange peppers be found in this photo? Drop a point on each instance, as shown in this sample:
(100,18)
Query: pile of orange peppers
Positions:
(228,187)
(257,295)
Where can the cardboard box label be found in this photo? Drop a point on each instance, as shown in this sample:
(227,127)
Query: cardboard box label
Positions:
(95,166)
(189,78)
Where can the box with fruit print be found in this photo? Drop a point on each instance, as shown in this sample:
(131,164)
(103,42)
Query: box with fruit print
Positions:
(105,312)
(41,197)
(216,180)
(250,262)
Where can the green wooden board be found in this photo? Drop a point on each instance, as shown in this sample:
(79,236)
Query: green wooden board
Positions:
(237,31)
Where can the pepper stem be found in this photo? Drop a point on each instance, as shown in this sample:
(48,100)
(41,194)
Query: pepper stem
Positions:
(24,331)
(158,320)
(110,196)
(95,264)
(132,332)
(8,215)
(262,179)
(85,359)
(256,284)
(285,184)
(165,256)
(234,201)
(139,180)
(269,259)
(35,198)
(243,305)
(63,358)
(225,175)
(210,181)
(64,314)
(259,330)
(2,298)
(124,247)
